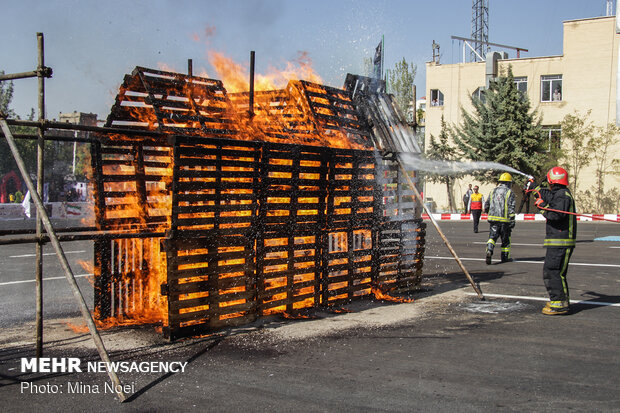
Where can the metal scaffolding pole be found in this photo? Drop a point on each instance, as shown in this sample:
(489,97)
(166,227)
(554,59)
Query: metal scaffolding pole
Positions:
(39,245)
(45,220)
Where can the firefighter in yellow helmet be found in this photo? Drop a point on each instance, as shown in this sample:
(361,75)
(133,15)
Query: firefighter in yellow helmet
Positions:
(500,206)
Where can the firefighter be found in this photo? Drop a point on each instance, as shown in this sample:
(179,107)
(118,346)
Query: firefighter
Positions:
(527,190)
(500,205)
(475,207)
(559,240)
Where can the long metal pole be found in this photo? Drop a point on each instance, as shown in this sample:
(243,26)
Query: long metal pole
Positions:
(441,234)
(42,213)
(22,75)
(39,245)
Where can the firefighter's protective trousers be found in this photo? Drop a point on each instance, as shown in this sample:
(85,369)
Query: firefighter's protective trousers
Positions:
(554,275)
(497,230)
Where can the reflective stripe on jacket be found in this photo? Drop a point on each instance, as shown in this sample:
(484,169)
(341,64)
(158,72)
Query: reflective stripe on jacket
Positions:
(501,204)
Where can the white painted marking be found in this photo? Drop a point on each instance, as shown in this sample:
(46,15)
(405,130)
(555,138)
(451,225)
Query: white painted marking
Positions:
(525,297)
(44,279)
(47,253)
(614,247)
(583,264)
(522,245)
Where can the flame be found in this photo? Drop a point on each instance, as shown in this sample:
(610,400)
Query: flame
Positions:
(379,295)
(79,329)
(235,75)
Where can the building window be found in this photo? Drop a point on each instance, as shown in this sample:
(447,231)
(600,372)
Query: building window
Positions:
(552,136)
(551,88)
(436,97)
(521,84)
(480,94)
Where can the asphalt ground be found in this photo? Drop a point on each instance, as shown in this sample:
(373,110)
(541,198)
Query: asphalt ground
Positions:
(446,351)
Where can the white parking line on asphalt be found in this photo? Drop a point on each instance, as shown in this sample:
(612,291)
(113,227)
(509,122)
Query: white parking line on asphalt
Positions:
(525,297)
(584,264)
(47,253)
(521,245)
(44,279)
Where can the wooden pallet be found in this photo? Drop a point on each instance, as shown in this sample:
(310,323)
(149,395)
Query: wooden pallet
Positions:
(254,225)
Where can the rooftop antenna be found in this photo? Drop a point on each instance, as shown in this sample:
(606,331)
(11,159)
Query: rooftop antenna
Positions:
(435,52)
(479,29)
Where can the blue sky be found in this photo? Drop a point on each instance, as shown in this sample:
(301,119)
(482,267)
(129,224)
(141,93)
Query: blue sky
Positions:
(90,45)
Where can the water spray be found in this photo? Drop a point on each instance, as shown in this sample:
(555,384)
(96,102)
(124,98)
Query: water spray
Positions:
(436,225)
(419,163)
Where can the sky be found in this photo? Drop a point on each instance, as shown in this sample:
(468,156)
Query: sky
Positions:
(91,45)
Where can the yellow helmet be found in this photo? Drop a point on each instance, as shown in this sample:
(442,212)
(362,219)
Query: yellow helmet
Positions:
(505,177)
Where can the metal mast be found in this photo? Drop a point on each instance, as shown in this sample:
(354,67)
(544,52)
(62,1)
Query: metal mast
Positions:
(479,28)
(610,8)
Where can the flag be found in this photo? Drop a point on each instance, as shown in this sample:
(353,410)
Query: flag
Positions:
(26,204)
(378,60)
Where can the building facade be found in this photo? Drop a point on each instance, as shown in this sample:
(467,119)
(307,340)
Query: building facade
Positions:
(582,79)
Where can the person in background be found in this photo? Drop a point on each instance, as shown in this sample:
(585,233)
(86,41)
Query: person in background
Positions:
(501,208)
(527,190)
(475,207)
(466,197)
(560,239)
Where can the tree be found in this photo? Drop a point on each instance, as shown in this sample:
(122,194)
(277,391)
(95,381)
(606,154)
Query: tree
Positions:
(367,67)
(442,150)
(27,148)
(576,152)
(502,129)
(597,199)
(400,83)
(6,95)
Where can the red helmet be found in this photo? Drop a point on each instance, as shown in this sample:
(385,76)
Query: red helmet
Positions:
(557,175)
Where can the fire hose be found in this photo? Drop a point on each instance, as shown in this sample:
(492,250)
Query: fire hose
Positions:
(591,216)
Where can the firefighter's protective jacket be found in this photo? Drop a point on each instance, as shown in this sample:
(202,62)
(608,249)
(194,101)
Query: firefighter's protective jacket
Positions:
(500,204)
(561,228)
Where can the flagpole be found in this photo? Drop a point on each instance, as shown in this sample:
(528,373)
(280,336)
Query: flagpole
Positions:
(382,53)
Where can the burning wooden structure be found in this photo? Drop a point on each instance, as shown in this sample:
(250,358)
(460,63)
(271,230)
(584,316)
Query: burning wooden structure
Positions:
(283,206)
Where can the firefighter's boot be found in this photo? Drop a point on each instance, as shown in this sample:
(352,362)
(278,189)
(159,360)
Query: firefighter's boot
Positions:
(489,255)
(556,308)
(506,257)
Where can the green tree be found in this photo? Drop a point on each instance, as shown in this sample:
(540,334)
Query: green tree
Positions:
(503,129)
(400,83)
(27,148)
(440,149)
(576,151)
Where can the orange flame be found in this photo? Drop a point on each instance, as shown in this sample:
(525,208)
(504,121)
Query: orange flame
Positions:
(235,75)
(379,295)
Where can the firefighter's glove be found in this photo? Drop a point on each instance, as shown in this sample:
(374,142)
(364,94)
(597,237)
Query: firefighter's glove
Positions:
(540,203)
(512,224)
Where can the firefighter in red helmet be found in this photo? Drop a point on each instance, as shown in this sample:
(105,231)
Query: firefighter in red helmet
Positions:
(561,232)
